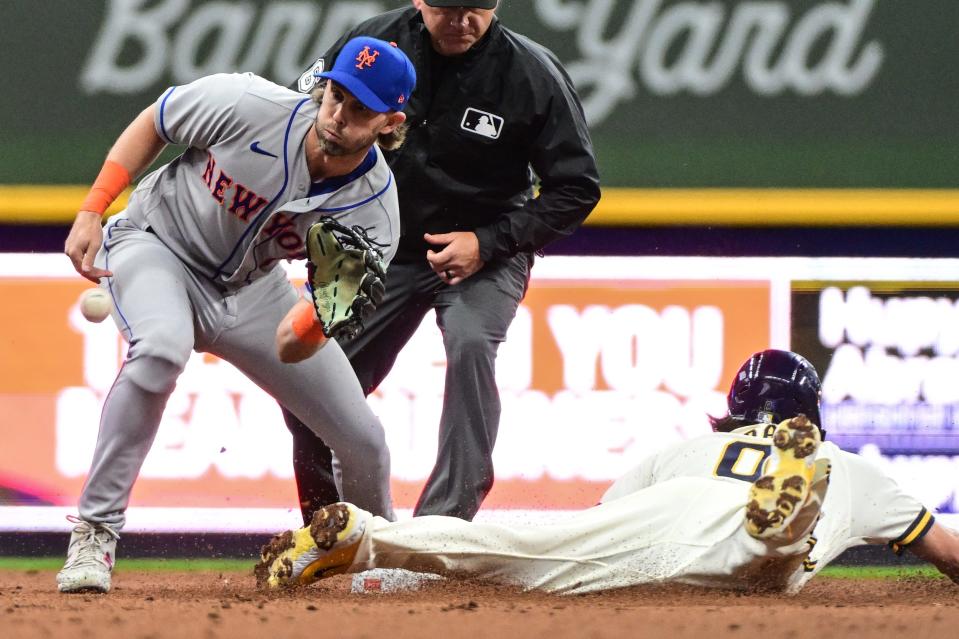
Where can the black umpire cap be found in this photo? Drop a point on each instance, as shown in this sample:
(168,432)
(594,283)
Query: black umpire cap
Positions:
(472,4)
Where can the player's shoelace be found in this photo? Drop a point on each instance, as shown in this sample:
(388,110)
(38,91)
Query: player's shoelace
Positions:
(89,548)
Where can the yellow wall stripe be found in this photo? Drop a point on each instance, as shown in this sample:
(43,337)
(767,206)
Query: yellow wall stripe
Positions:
(637,207)
(46,204)
(778,207)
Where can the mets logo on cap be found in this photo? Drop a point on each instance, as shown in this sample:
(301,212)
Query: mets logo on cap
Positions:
(376,72)
(365,58)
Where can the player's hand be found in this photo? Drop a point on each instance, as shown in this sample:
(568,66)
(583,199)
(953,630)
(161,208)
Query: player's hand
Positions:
(458,260)
(83,242)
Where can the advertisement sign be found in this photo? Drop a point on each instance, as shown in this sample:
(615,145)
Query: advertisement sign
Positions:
(608,360)
(678,93)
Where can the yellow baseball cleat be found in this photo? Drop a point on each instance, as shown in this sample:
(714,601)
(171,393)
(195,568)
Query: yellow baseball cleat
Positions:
(324,548)
(776,498)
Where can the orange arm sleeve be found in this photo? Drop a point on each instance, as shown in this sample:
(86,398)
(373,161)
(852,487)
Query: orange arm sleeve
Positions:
(107,187)
(306,326)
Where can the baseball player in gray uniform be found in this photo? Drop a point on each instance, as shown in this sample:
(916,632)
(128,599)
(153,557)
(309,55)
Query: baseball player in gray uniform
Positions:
(193,263)
(762,503)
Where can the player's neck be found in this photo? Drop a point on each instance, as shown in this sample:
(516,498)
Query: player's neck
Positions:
(323,166)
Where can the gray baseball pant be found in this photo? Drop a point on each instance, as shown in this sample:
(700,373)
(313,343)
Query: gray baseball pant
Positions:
(166,310)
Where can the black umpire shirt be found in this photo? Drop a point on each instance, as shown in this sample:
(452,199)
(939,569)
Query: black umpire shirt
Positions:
(479,125)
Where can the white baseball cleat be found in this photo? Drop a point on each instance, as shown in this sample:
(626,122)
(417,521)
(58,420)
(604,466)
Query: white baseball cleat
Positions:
(776,498)
(90,558)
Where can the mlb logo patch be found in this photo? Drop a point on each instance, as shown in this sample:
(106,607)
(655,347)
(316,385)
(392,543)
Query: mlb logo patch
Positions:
(311,76)
(484,123)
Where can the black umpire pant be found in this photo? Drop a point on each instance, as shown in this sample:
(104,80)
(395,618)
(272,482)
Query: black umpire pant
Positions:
(473,317)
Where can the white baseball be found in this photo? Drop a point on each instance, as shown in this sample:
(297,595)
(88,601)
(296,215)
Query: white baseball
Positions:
(95,304)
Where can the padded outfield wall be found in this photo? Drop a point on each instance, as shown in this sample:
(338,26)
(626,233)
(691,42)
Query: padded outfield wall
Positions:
(679,93)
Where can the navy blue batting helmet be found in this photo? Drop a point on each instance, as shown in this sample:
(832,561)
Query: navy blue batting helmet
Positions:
(775,385)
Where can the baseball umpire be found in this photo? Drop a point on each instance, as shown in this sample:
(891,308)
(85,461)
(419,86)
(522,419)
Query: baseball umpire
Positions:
(491,108)
(762,503)
(193,263)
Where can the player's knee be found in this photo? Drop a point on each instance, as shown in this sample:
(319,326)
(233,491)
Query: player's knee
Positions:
(369,444)
(153,374)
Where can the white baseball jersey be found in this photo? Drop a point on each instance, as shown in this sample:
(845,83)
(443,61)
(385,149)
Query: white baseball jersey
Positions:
(862,505)
(240,198)
(678,517)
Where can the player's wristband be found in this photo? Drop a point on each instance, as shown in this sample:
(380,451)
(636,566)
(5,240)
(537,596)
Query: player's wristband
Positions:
(306,326)
(106,188)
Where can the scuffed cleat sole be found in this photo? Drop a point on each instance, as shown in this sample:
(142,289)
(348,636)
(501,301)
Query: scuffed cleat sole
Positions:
(777,497)
(325,548)
(84,583)
(273,564)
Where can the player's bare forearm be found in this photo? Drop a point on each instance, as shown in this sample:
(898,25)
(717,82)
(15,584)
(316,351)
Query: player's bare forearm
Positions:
(940,547)
(139,144)
(299,336)
(136,148)
(290,349)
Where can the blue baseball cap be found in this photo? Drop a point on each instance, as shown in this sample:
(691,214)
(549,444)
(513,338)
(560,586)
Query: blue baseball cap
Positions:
(376,72)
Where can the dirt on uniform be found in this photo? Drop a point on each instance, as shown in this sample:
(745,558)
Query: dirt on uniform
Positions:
(228,605)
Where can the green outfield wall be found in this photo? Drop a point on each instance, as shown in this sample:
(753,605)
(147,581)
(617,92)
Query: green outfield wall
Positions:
(679,93)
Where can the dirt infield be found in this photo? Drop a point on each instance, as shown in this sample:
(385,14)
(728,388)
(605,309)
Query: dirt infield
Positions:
(175,604)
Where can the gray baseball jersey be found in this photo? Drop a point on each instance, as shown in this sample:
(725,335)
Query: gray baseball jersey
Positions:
(240,198)
(195,267)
